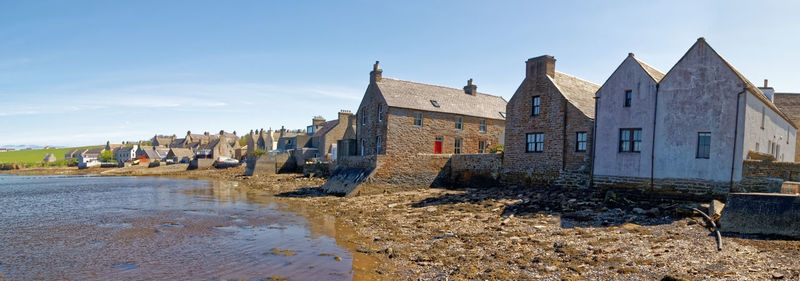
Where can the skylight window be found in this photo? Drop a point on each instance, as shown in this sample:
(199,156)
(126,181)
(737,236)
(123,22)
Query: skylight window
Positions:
(435,103)
(503,114)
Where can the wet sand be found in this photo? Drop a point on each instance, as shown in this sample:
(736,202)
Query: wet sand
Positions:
(519,234)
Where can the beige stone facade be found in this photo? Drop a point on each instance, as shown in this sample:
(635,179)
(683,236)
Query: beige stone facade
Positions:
(789,103)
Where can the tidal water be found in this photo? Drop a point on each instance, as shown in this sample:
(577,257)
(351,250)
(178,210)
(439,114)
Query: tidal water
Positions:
(129,228)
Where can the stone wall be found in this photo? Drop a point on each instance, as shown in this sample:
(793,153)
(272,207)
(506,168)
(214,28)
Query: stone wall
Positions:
(685,189)
(783,170)
(475,170)
(270,164)
(404,138)
(790,105)
(201,163)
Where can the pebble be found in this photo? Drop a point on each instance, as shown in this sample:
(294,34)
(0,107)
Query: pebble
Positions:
(550,268)
(777,276)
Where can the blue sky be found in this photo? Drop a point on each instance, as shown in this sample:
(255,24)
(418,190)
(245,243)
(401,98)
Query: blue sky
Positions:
(83,72)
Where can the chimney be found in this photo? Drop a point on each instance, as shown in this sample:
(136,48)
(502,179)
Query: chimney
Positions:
(344,116)
(768,91)
(540,66)
(317,121)
(376,74)
(765,83)
(470,89)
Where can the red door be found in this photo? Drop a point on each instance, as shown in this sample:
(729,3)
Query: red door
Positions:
(437,147)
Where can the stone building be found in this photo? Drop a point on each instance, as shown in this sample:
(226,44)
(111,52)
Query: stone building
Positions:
(789,104)
(688,132)
(126,153)
(549,126)
(161,140)
(325,138)
(403,118)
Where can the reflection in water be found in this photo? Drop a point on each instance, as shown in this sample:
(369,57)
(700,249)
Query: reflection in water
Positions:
(156,228)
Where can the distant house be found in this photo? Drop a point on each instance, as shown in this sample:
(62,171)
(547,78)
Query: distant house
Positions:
(788,103)
(151,153)
(219,147)
(112,146)
(126,154)
(180,155)
(288,140)
(49,158)
(90,158)
(74,153)
(325,138)
(161,140)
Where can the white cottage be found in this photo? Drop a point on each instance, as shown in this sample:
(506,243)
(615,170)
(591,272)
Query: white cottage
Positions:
(688,131)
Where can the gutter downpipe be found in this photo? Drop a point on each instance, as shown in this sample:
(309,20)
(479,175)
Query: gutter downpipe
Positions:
(594,141)
(736,135)
(653,145)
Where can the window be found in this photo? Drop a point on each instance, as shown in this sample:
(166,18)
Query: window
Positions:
(362,147)
(481,146)
(363,116)
(630,140)
(580,144)
(535,103)
(418,119)
(535,142)
(457,147)
(762,118)
(482,126)
(757,147)
(459,123)
(378,145)
(435,103)
(777,150)
(380,112)
(628,97)
(703,145)
(437,145)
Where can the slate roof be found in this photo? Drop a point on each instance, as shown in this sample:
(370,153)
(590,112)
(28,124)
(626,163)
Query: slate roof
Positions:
(125,149)
(151,153)
(182,152)
(94,152)
(652,71)
(327,127)
(578,92)
(177,143)
(413,95)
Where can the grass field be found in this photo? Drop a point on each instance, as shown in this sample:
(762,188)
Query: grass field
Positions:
(34,156)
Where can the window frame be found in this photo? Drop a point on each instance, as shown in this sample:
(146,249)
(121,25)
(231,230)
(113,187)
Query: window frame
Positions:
(628,98)
(377,145)
(380,112)
(418,114)
(536,105)
(537,142)
(459,123)
(630,140)
(482,146)
(578,141)
(706,153)
(482,126)
(363,116)
(457,145)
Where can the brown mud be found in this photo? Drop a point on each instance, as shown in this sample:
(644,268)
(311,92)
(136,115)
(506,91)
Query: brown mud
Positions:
(514,233)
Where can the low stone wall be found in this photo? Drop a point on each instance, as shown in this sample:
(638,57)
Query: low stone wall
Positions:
(475,170)
(320,170)
(760,213)
(787,171)
(202,163)
(270,164)
(420,170)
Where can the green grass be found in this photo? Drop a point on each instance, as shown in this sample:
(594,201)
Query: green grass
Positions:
(35,156)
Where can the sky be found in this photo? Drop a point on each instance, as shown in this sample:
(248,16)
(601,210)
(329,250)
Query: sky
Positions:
(86,72)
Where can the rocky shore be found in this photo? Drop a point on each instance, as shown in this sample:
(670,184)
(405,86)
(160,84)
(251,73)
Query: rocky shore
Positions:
(514,233)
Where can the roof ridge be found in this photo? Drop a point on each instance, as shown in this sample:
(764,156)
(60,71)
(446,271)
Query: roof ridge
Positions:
(440,86)
(645,66)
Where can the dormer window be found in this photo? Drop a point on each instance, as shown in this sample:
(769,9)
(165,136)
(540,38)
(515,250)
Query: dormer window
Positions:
(435,103)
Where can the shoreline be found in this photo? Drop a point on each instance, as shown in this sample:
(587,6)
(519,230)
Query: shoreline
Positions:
(507,233)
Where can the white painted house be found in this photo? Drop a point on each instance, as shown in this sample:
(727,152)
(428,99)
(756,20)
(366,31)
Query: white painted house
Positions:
(688,130)
(125,154)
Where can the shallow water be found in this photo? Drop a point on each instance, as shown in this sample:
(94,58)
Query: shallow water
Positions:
(128,228)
